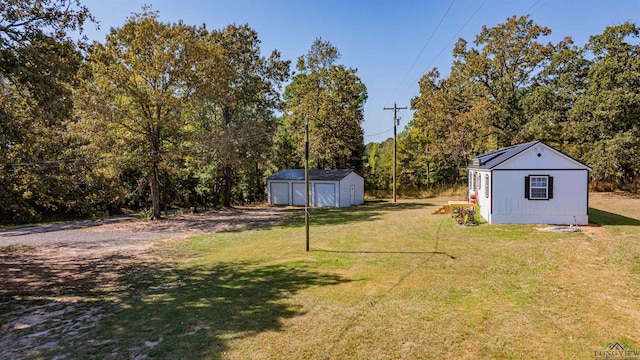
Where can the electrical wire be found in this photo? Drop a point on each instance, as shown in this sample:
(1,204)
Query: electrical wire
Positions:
(428,68)
(380,133)
(441,51)
(422,51)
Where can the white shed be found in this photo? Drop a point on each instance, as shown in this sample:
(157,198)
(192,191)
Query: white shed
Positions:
(334,188)
(530,183)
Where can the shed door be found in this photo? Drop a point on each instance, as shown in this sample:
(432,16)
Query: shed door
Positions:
(279,193)
(325,195)
(298,194)
(353,195)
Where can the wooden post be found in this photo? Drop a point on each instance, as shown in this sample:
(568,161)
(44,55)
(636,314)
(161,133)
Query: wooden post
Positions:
(306,180)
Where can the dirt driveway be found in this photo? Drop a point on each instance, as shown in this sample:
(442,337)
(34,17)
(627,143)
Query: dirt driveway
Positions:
(52,280)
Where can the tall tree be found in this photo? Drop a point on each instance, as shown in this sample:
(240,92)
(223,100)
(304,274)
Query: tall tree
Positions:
(504,63)
(481,104)
(332,97)
(604,119)
(38,66)
(548,101)
(143,76)
(236,112)
(448,121)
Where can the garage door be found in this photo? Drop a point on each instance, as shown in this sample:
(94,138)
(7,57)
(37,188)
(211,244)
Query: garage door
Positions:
(298,194)
(325,195)
(279,193)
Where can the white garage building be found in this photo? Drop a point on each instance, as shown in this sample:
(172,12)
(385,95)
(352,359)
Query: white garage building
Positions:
(530,183)
(333,188)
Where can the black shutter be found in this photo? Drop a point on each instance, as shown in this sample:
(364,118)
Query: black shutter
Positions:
(526,187)
(550,187)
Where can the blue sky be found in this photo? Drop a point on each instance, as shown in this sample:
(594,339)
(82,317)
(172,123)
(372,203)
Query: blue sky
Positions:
(391,43)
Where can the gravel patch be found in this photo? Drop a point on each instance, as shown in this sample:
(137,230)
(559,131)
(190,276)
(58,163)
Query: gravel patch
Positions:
(59,280)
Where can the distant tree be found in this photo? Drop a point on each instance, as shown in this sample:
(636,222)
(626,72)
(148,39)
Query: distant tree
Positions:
(332,97)
(378,165)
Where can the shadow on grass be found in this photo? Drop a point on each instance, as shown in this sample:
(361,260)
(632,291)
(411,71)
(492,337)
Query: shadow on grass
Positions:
(28,276)
(602,217)
(114,308)
(194,312)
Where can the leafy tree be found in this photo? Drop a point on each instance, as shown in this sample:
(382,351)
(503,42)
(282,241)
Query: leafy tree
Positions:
(38,66)
(479,106)
(378,165)
(548,101)
(604,119)
(143,76)
(414,160)
(332,97)
(448,122)
(503,64)
(235,119)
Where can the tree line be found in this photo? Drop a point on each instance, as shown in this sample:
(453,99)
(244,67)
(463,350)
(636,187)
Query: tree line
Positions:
(509,87)
(168,114)
(158,114)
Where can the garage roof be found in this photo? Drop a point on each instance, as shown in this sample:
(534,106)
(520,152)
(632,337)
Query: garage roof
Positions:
(316,175)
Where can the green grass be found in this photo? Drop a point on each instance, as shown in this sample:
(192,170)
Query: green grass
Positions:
(380,281)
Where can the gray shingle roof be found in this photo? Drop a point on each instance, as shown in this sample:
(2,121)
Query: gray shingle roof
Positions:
(492,159)
(316,175)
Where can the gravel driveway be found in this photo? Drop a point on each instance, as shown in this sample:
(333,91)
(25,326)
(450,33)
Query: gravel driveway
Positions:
(53,275)
(115,231)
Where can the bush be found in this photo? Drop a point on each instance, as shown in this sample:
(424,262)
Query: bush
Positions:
(145,214)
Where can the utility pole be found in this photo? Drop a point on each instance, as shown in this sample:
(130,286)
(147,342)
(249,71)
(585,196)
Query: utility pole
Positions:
(306,180)
(395,131)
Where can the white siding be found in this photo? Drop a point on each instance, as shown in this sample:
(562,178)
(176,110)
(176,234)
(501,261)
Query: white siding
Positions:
(291,192)
(357,182)
(549,159)
(568,206)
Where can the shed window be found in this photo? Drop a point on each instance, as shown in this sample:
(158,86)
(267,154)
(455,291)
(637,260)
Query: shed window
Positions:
(538,187)
(486,185)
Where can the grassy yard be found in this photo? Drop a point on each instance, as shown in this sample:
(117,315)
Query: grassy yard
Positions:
(381,281)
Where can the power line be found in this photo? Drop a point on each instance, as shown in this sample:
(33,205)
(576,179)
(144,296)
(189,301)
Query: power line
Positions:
(453,38)
(534,5)
(456,35)
(423,49)
(443,49)
(380,133)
